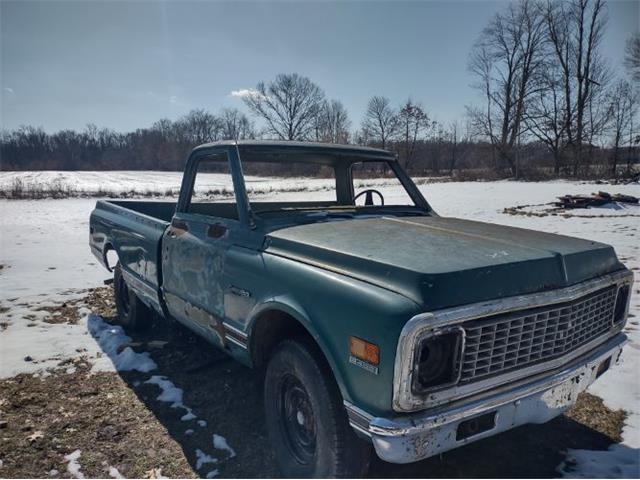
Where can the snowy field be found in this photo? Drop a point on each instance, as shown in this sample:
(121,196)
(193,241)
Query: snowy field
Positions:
(45,257)
(151,184)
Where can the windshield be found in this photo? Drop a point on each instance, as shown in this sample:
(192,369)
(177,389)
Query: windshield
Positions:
(286,184)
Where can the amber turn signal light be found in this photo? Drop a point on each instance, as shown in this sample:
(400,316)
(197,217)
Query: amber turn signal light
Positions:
(364,350)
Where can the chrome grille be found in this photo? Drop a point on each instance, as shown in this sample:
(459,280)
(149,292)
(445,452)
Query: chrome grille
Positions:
(505,342)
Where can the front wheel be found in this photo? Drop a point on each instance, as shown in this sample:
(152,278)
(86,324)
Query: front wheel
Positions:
(132,313)
(307,422)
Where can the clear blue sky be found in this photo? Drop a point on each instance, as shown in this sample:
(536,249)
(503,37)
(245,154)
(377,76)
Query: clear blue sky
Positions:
(124,64)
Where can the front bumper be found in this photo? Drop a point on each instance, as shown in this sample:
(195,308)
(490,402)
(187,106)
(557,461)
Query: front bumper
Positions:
(413,437)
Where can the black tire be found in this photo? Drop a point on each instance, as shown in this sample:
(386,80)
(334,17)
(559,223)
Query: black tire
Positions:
(132,313)
(306,419)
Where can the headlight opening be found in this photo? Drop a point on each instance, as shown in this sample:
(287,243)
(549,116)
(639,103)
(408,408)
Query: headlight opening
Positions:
(437,360)
(622,300)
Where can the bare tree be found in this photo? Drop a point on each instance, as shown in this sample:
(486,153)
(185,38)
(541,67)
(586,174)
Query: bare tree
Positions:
(632,57)
(504,62)
(623,105)
(235,125)
(412,124)
(453,140)
(289,105)
(200,126)
(575,30)
(545,117)
(380,121)
(332,123)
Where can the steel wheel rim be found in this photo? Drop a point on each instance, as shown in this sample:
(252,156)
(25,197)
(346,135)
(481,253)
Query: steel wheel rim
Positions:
(298,421)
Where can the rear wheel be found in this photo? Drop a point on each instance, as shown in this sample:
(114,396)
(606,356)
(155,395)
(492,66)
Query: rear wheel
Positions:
(132,313)
(307,422)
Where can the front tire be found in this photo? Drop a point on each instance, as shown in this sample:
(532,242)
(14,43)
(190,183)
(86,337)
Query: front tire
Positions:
(307,422)
(132,313)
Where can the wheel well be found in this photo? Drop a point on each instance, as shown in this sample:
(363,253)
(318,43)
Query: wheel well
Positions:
(105,256)
(270,328)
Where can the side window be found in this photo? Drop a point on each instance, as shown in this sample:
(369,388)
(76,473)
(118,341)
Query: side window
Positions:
(213,192)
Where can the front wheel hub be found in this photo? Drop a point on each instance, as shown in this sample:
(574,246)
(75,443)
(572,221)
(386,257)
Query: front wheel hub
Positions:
(298,421)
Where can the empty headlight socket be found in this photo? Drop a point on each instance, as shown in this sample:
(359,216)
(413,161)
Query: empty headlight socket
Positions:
(447,347)
(622,299)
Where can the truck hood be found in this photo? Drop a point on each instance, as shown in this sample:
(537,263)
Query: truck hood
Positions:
(442,262)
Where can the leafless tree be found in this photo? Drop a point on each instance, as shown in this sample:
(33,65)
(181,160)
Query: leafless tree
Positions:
(412,125)
(623,106)
(453,140)
(545,116)
(235,125)
(289,105)
(504,61)
(632,57)
(380,122)
(332,123)
(200,126)
(575,30)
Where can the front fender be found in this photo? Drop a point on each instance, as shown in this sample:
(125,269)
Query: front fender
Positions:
(332,307)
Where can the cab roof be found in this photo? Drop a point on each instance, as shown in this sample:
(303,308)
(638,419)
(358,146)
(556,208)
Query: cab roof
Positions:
(249,148)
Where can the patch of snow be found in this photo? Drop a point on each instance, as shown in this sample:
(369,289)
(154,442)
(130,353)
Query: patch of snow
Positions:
(188,416)
(213,473)
(73,467)
(619,461)
(36,265)
(114,473)
(220,443)
(203,459)
(189,431)
(202,423)
(171,394)
(111,338)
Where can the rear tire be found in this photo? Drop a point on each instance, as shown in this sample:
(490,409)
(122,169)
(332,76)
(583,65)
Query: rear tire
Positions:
(132,313)
(307,422)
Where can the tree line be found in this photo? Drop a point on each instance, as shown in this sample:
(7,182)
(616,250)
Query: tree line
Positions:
(551,105)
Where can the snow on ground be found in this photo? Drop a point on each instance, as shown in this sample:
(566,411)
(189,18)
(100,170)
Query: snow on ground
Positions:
(220,443)
(73,467)
(171,394)
(113,343)
(153,183)
(45,256)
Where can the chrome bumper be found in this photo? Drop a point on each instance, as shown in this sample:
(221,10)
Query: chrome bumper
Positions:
(413,437)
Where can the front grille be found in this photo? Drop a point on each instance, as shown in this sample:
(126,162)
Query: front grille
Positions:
(502,343)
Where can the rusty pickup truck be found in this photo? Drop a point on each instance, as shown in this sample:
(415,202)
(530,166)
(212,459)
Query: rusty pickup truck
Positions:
(378,324)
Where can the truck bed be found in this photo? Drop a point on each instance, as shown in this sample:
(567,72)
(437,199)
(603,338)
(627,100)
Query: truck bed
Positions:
(158,210)
(134,229)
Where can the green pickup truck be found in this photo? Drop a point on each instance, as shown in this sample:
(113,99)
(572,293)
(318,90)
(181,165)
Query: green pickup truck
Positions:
(376,321)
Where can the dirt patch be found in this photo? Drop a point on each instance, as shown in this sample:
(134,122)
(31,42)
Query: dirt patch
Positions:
(66,312)
(116,420)
(547,209)
(101,301)
(47,419)
(591,412)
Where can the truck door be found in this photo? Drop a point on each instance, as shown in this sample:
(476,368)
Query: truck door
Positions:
(195,247)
